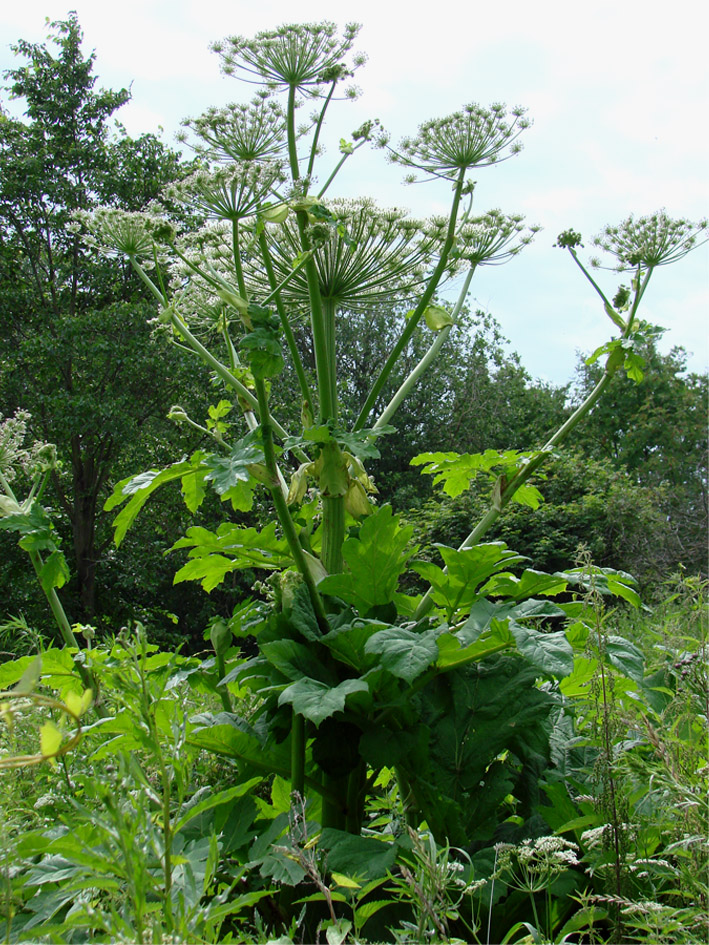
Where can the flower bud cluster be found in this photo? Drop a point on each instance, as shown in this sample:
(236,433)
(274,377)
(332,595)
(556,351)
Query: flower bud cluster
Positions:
(534,864)
(15,457)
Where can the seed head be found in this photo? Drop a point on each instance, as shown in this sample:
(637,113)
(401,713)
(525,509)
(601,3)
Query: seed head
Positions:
(473,137)
(254,132)
(302,56)
(647,242)
(493,238)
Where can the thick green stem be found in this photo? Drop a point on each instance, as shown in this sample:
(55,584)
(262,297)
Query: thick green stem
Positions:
(62,622)
(355,798)
(224,696)
(290,124)
(236,252)
(417,314)
(284,515)
(334,802)
(167,851)
(333,533)
(329,313)
(323,367)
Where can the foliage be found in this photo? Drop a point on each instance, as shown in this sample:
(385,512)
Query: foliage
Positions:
(584,501)
(78,353)
(656,430)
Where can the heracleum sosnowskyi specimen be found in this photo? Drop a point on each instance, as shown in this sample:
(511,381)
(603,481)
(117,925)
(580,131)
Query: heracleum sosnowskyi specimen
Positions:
(277,252)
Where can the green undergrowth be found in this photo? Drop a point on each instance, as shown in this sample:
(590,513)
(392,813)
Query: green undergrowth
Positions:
(139,833)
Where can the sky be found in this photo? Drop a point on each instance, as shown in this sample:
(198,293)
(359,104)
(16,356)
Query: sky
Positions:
(617,92)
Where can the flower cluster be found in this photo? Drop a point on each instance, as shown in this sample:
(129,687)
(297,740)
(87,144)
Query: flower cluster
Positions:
(647,242)
(383,249)
(301,56)
(15,457)
(254,132)
(534,864)
(230,193)
(493,238)
(473,137)
(124,233)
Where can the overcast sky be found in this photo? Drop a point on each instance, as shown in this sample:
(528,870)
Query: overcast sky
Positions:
(618,92)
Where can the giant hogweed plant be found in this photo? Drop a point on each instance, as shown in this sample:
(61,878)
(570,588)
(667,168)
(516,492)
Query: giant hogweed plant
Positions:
(354,675)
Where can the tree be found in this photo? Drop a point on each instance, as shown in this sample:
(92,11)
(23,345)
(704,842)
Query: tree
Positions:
(78,350)
(656,430)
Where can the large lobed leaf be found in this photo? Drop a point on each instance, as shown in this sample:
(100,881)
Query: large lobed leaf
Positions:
(375,561)
(231,548)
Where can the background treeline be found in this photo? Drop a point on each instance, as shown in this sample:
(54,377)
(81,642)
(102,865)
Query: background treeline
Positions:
(79,352)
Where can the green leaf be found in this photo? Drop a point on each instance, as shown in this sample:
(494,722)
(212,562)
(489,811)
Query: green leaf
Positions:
(224,472)
(193,491)
(140,487)
(348,644)
(626,657)
(527,495)
(437,317)
(55,572)
(403,652)
(493,639)
(57,668)
(316,700)
(375,561)
(528,584)
(34,526)
(296,660)
(551,653)
(361,857)
(457,470)
(459,586)
(578,683)
(262,351)
(224,734)
(606,581)
(30,677)
(190,811)
(231,548)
